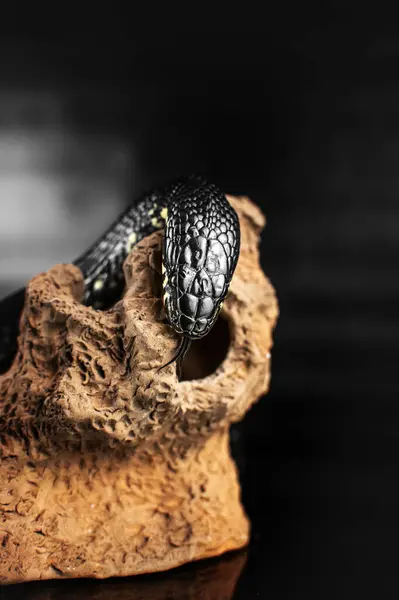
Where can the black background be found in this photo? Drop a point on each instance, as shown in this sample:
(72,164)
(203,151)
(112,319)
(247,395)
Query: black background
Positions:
(299,110)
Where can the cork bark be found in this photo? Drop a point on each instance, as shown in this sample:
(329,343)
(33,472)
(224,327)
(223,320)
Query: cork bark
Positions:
(110,466)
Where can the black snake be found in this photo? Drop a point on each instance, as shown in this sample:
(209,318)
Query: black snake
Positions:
(201,245)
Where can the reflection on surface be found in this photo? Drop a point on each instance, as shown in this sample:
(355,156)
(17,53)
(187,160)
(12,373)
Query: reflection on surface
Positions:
(206,580)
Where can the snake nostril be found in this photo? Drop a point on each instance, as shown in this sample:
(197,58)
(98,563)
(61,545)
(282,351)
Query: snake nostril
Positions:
(205,286)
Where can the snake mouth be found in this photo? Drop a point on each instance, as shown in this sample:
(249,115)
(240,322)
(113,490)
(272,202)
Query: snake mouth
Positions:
(191,328)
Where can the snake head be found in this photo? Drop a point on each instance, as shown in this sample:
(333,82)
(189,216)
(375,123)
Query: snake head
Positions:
(200,253)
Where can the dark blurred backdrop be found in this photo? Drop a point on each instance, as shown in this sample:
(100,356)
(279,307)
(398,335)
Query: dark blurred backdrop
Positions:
(300,111)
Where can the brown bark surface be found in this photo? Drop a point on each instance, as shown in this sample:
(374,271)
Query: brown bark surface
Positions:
(110,467)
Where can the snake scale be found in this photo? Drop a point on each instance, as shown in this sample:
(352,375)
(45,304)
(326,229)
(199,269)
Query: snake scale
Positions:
(201,245)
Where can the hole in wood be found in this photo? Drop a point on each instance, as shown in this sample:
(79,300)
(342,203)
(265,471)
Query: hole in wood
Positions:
(208,353)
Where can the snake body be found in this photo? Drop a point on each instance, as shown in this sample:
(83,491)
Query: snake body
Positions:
(201,246)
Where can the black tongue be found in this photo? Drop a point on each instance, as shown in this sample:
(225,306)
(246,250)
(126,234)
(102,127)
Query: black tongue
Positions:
(180,354)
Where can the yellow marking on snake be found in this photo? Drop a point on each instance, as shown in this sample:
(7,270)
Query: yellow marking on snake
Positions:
(163,268)
(156,222)
(165,280)
(98,285)
(153,209)
(132,239)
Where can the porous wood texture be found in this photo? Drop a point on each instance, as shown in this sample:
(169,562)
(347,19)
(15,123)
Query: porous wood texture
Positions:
(110,466)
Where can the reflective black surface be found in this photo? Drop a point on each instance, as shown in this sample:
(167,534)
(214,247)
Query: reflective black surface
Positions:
(301,112)
(210,580)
